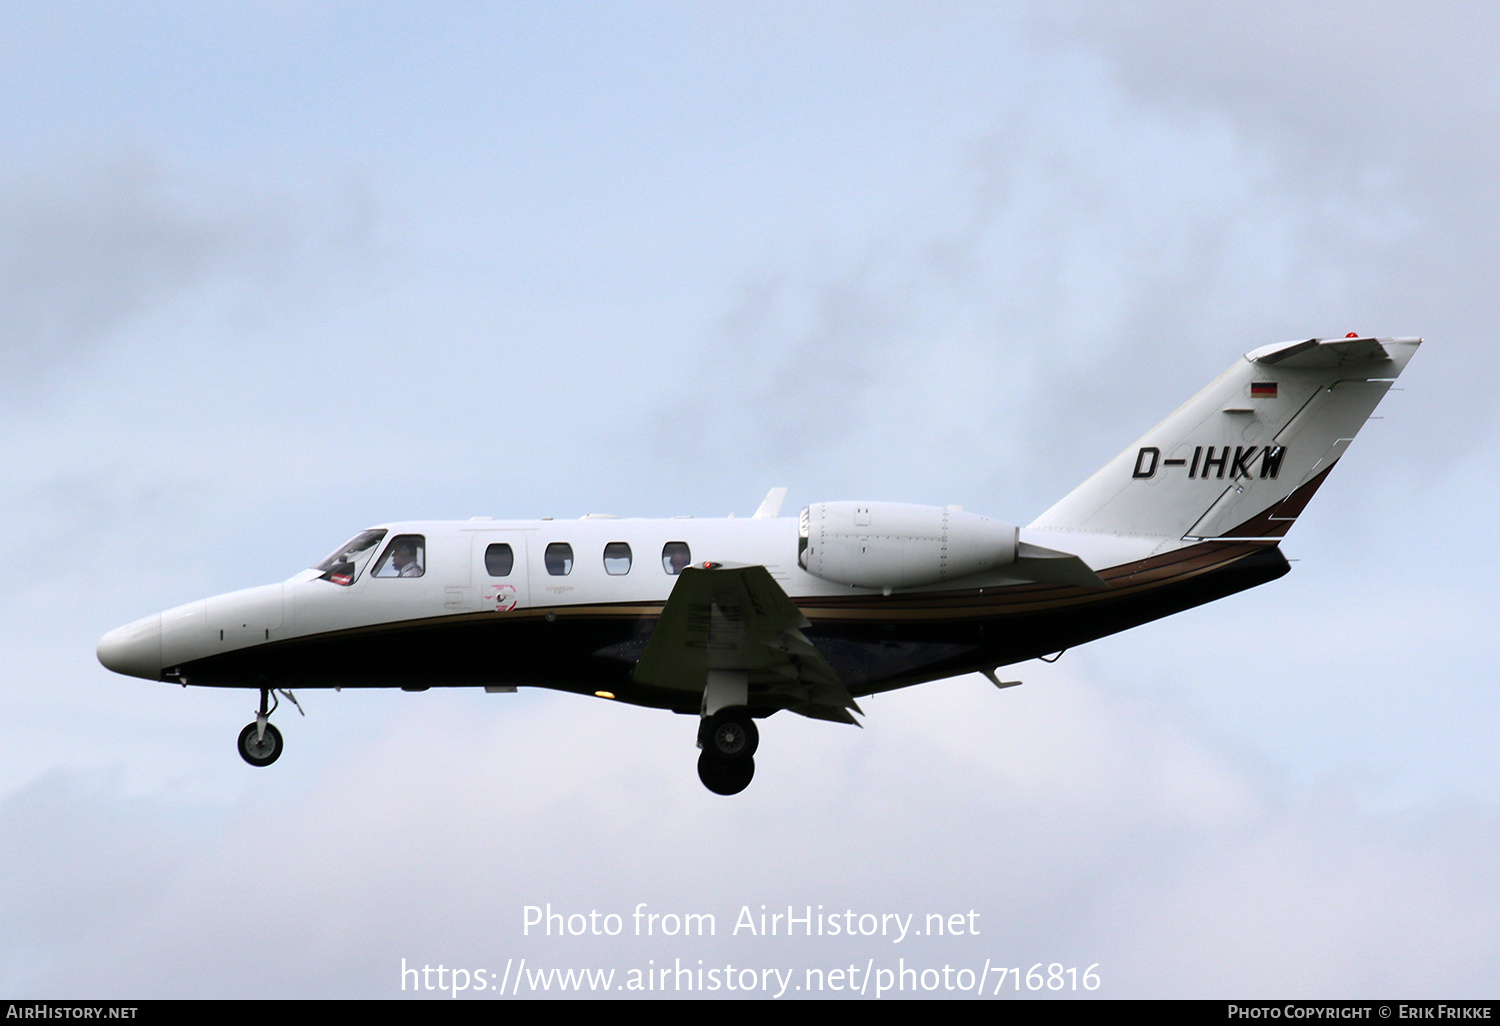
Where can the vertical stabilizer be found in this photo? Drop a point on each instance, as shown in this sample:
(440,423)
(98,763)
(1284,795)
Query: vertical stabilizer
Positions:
(1241,458)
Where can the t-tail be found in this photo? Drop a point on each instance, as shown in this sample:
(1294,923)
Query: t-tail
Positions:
(1242,457)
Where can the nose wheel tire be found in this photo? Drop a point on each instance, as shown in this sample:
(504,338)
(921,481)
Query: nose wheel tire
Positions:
(264,750)
(725,776)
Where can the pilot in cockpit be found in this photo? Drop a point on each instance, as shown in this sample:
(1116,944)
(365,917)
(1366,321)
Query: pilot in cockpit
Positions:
(407,562)
(402,559)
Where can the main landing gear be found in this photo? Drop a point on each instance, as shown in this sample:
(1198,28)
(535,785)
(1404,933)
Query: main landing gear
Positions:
(728,739)
(260,742)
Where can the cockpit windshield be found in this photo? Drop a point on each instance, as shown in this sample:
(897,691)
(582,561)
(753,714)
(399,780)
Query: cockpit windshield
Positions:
(349,559)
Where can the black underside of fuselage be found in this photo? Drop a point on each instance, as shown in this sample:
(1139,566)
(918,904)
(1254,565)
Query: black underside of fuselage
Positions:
(875,643)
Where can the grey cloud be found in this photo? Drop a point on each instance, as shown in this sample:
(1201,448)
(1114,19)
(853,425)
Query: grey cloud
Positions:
(1339,75)
(1395,107)
(1325,900)
(1069,290)
(85,249)
(1081,826)
(80,877)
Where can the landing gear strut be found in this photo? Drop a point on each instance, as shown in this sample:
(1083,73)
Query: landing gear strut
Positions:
(729,739)
(260,742)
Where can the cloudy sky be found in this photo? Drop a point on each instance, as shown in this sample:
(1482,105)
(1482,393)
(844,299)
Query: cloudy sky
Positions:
(273,272)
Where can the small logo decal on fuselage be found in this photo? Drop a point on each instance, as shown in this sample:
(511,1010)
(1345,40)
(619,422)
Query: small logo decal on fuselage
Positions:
(503,596)
(1214,461)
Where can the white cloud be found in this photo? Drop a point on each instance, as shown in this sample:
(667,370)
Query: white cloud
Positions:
(1081,827)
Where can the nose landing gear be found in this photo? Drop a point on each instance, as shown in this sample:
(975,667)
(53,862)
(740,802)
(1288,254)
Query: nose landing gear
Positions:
(729,739)
(260,742)
(260,745)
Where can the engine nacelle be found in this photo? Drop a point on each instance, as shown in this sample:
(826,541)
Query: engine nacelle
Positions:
(896,545)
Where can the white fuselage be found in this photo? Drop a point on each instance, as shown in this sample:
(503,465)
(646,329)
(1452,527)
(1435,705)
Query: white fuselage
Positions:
(456,580)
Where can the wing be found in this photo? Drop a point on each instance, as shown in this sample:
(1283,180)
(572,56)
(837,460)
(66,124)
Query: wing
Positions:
(735,623)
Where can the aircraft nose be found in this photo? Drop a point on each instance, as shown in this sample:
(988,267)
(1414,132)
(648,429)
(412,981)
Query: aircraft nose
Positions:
(134,649)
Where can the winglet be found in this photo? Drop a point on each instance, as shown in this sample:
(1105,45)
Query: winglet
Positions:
(770,506)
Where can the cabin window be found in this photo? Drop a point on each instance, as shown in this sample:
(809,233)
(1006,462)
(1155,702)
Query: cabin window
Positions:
(559,559)
(617,558)
(405,556)
(675,556)
(349,559)
(499,560)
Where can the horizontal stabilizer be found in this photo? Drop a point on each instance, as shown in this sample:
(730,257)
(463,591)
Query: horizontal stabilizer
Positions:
(1321,352)
(1049,566)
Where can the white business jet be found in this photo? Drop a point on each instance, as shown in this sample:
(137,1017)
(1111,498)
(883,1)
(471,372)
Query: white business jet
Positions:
(733,620)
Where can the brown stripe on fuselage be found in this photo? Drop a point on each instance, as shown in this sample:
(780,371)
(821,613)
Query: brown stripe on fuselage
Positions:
(1127,579)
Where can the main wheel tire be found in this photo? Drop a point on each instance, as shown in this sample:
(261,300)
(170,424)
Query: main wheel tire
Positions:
(725,776)
(730,734)
(264,751)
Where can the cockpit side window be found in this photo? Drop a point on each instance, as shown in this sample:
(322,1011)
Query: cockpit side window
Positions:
(405,556)
(344,565)
(675,556)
